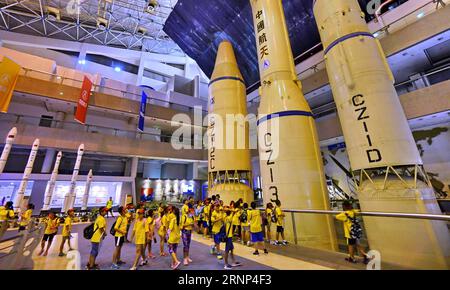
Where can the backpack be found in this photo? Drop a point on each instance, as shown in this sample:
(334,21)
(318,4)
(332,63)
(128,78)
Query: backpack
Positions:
(89,231)
(273,217)
(355,228)
(243,218)
(112,231)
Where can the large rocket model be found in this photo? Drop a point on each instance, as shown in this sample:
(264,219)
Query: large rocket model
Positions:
(26,176)
(69,199)
(380,145)
(290,158)
(228,130)
(51,184)
(87,189)
(7,149)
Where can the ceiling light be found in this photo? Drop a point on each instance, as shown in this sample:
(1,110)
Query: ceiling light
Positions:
(82,61)
(141,31)
(151,6)
(102,23)
(117,69)
(53,14)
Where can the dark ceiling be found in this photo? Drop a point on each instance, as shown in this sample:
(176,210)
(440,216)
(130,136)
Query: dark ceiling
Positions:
(199,26)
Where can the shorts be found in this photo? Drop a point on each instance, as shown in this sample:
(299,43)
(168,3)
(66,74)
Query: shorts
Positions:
(173,248)
(257,237)
(22,228)
(229,245)
(280,229)
(352,242)
(246,228)
(95,249)
(205,224)
(48,237)
(217,238)
(119,241)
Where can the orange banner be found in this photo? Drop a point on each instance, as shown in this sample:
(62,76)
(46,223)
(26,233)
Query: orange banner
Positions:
(83,101)
(9,73)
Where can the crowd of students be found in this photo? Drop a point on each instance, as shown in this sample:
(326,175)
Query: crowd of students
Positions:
(235,222)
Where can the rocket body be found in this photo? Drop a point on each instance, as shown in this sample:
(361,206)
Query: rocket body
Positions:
(69,199)
(290,158)
(87,189)
(228,130)
(7,149)
(381,148)
(26,175)
(51,184)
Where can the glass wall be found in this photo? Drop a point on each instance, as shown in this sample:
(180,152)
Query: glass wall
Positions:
(9,188)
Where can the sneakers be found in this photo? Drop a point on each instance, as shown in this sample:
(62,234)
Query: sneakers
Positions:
(120,262)
(219,257)
(228,267)
(143,263)
(284,243)
(274,243)
(189,260)
(351,260)
(133,268)
(249,243)
(115,267)
(61,255)
(265,251)
(176,265)
(367,259)
(185,262)
(256,253)
(236,264)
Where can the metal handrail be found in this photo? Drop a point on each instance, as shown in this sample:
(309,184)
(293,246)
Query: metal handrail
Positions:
(104,87)
(375,214)
(18,117)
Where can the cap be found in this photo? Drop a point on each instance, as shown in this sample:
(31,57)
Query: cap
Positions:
(141,211)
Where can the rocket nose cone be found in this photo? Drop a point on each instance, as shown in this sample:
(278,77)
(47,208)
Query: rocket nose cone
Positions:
(225,53)
(36,142)
(59,154)
(13,132)
(81,147)
(90,173)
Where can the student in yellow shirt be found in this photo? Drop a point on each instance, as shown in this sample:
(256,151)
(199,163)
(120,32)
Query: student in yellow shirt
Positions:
(130,217)
(352,232)
(236,213)
(98,236)
(217,218)
(229,247)
(120,230)
(164,225)
(150,228)
(206,214)
(279,216)
(256,231)
(267,227)
(109,206)
(140,235)
(6,213)
(185,207)
(187,225)
(174,238)
(245,229)
(51,229)
(67,229)
(25,217)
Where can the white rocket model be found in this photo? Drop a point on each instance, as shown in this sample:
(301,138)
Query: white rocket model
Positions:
(87,189)
(7,149)
(69,199)
(26,175)
(51,184)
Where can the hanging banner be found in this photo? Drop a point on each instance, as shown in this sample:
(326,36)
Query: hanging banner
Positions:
(142,112)
(83,102)
(9,73)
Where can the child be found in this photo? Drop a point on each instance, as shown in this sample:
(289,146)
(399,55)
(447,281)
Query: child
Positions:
(150,228)
(174,237)
(139,232)
(256,231)
(187,225)
(352,232)
(50,231)
(229,247)
(279,216)
(120,230)
(25,217)
(98,236)
(162,231)
(67,229)
(244,224)
(130,216)
(217,224)
(236,212)
(269,218)
(6,213)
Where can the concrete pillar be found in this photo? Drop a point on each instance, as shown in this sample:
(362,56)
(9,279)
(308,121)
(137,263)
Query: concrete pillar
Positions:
(141,70)
(197,86)
(133,173)
(47,165)
(192,171)
(60,117)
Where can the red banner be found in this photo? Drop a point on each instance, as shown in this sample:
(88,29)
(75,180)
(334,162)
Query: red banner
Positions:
(83,102)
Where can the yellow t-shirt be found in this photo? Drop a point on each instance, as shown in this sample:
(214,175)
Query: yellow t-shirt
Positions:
(139,232)
(347,223)
(52,226)
(229,223)
(121,224)
(206,212)
(187,222)
(67,227)
(170,217)
(149,224)
(184,209)
(254,217)
(217,221)
(163,228)
(236,216)
(269,213)
(5,214)
(109,204)
(100,223)
(174,236)
(280,216)
(26,217)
